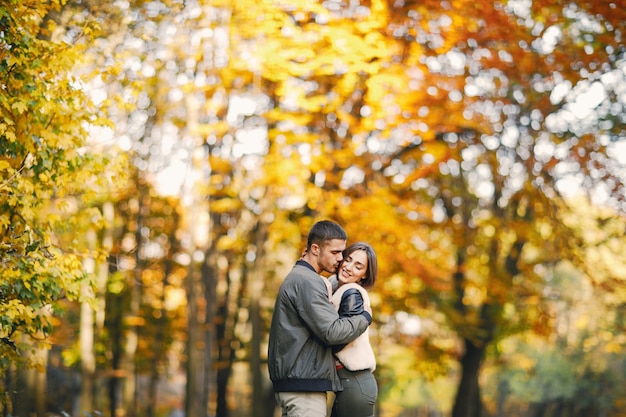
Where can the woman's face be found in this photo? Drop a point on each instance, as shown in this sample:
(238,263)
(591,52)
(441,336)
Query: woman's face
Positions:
(353,268)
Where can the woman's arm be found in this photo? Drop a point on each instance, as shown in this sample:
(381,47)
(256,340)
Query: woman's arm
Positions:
(351,305)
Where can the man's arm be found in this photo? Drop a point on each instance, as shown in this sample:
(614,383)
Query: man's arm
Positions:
(320,316)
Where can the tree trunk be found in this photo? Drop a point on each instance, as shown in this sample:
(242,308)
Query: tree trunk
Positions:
(102,277)
(41,382)
(209,280)
(24,401)
(152,389)
(467,402)
(30,398)
(86,334)
(116,353)
(155,371)
(223,375)
(263,403)
(258,410)
(159,343)
(87,359)
(223,331)
(194,405)
(132,337)
(7,385)
(503,393)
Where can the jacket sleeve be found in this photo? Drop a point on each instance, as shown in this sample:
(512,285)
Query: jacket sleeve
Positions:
(319,315)
(351,305)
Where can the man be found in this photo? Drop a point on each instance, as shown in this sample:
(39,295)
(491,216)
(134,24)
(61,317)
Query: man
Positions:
(305,325)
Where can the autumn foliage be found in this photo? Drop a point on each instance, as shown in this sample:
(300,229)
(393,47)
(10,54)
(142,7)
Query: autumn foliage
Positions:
(478,146)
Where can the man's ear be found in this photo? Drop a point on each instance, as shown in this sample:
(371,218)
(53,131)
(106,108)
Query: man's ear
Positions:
(315,249)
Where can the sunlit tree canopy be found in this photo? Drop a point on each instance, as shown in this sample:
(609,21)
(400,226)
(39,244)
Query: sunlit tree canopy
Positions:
(161,163)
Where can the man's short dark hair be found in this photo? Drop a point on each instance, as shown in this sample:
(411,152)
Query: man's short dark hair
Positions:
(323,231)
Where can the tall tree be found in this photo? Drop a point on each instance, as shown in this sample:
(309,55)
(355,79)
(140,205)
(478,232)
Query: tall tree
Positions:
(503,154)
(49,178)
(468,121)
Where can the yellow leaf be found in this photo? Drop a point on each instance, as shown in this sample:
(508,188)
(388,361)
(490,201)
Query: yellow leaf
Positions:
(19,106)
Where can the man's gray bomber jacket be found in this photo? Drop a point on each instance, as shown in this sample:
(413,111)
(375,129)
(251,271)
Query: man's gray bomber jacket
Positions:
(304,327)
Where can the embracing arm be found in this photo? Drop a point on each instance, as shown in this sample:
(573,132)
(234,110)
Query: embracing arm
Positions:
(351,305)
(320,316)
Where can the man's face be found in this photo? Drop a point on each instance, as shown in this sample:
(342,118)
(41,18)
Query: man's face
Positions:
(329,255)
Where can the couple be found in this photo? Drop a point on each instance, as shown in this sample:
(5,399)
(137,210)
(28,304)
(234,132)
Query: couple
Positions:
(318,339)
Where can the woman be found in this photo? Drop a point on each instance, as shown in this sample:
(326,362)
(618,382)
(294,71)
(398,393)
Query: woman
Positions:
(355,361)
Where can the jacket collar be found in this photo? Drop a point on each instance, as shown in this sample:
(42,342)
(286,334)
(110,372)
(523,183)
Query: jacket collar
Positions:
(306,265)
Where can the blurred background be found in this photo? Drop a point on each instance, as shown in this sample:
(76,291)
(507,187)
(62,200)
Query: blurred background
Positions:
(162,161)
